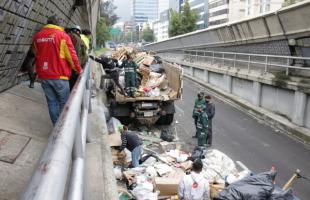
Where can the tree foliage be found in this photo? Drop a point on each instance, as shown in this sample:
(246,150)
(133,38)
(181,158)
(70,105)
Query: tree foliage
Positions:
(183,22)
(290,2)
(148,34)
(107,9)
(103,32)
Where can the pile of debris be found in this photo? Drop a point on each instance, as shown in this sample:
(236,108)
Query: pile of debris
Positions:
(163,164)
(153,78)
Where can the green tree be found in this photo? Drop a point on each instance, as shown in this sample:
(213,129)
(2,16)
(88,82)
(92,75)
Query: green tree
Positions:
(175,24)
(188,18)
(148,34)
(290,2)
(103,32)
(184,22)
(107,9)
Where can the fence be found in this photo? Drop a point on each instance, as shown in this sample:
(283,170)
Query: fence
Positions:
(66,143)
(266,63)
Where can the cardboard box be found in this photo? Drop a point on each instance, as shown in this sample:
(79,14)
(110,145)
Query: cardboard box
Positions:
(167,186)
(115,140)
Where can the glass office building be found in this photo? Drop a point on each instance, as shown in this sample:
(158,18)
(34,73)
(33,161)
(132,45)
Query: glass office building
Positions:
(144,10)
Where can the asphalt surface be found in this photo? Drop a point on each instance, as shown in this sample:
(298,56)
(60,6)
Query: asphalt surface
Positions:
(246,139)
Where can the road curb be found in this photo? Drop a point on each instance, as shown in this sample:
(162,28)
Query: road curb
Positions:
(270,118)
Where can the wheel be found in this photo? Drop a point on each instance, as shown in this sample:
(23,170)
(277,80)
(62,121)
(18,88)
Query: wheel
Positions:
(165,120)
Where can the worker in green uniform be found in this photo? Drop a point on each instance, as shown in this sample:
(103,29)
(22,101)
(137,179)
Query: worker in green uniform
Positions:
(202,126)
(198,102)
(130,68)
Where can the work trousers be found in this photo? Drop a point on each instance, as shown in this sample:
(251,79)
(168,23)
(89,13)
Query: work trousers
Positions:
(57,93)
(136,155)
(209,137)
(130,83)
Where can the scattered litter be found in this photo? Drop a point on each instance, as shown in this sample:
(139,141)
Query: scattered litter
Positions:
(162,169)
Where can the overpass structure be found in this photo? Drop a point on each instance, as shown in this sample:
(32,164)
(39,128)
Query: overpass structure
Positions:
(20,20)
(262,63)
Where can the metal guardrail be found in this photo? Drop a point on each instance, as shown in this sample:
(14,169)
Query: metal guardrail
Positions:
(203,56)
(66,143)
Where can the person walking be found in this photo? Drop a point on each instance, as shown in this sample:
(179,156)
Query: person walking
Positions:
(199,101)
(132,142)
(130,68)
(202,126)
(55,57)
(210,109)
(111,68)
(194,186)
(80,49)
(29,65)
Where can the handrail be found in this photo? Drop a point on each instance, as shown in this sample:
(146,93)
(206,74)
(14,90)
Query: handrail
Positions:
(49,179)
(194,54)
(250,54)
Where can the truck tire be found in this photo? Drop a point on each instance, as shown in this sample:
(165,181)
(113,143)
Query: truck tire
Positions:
(165,120)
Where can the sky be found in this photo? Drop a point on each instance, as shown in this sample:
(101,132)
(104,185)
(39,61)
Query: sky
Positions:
(123,9)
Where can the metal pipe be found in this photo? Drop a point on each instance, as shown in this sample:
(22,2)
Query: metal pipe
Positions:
(49,179)
(77,178)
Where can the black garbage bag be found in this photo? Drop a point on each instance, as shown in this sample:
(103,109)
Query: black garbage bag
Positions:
(157,68)
(279,194)
(256,187)
(166,135)
(198,153)
(158,59)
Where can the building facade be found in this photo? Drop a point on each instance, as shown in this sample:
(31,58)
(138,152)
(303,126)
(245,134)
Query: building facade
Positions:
(162,6)
(237,9)
(201,7)
(218,12)
(257,7)
(161,26)
(144,10)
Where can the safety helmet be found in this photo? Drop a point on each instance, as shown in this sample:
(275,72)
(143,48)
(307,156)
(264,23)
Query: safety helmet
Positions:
(76,27)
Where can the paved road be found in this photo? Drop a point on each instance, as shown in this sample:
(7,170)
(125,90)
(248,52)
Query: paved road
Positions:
(246,139)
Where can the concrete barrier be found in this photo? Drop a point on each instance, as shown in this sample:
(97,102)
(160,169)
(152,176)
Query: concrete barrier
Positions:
(273,28)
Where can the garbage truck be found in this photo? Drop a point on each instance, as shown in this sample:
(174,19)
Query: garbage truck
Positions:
(150,107)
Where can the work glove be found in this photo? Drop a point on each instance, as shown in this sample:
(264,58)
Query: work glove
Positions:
(92,57)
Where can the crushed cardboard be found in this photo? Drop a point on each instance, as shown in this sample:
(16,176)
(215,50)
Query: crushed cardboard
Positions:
(167,186)
(115,140)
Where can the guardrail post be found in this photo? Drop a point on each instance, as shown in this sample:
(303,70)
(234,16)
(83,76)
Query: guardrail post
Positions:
(266,64)
(223,58)
(212,58)
(235,57)
(196,57)
(249,63)
(287,68)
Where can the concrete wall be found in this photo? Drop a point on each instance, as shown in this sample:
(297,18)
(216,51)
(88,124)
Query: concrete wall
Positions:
(216,79)
(278,100)
(286,101)
(242,88)
(307,112)
(20,20)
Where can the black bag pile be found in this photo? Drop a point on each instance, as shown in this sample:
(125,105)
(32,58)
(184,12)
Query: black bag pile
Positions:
(256,187)
(166,135)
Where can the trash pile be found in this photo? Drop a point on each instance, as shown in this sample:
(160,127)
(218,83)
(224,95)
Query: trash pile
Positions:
(163,164)
(151,73)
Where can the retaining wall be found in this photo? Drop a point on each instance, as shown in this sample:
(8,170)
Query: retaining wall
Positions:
(20,20)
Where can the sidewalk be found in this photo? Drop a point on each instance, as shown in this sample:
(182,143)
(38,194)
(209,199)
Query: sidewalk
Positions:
(24,130)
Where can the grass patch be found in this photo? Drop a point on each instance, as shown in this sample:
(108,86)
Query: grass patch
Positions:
(98,52)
